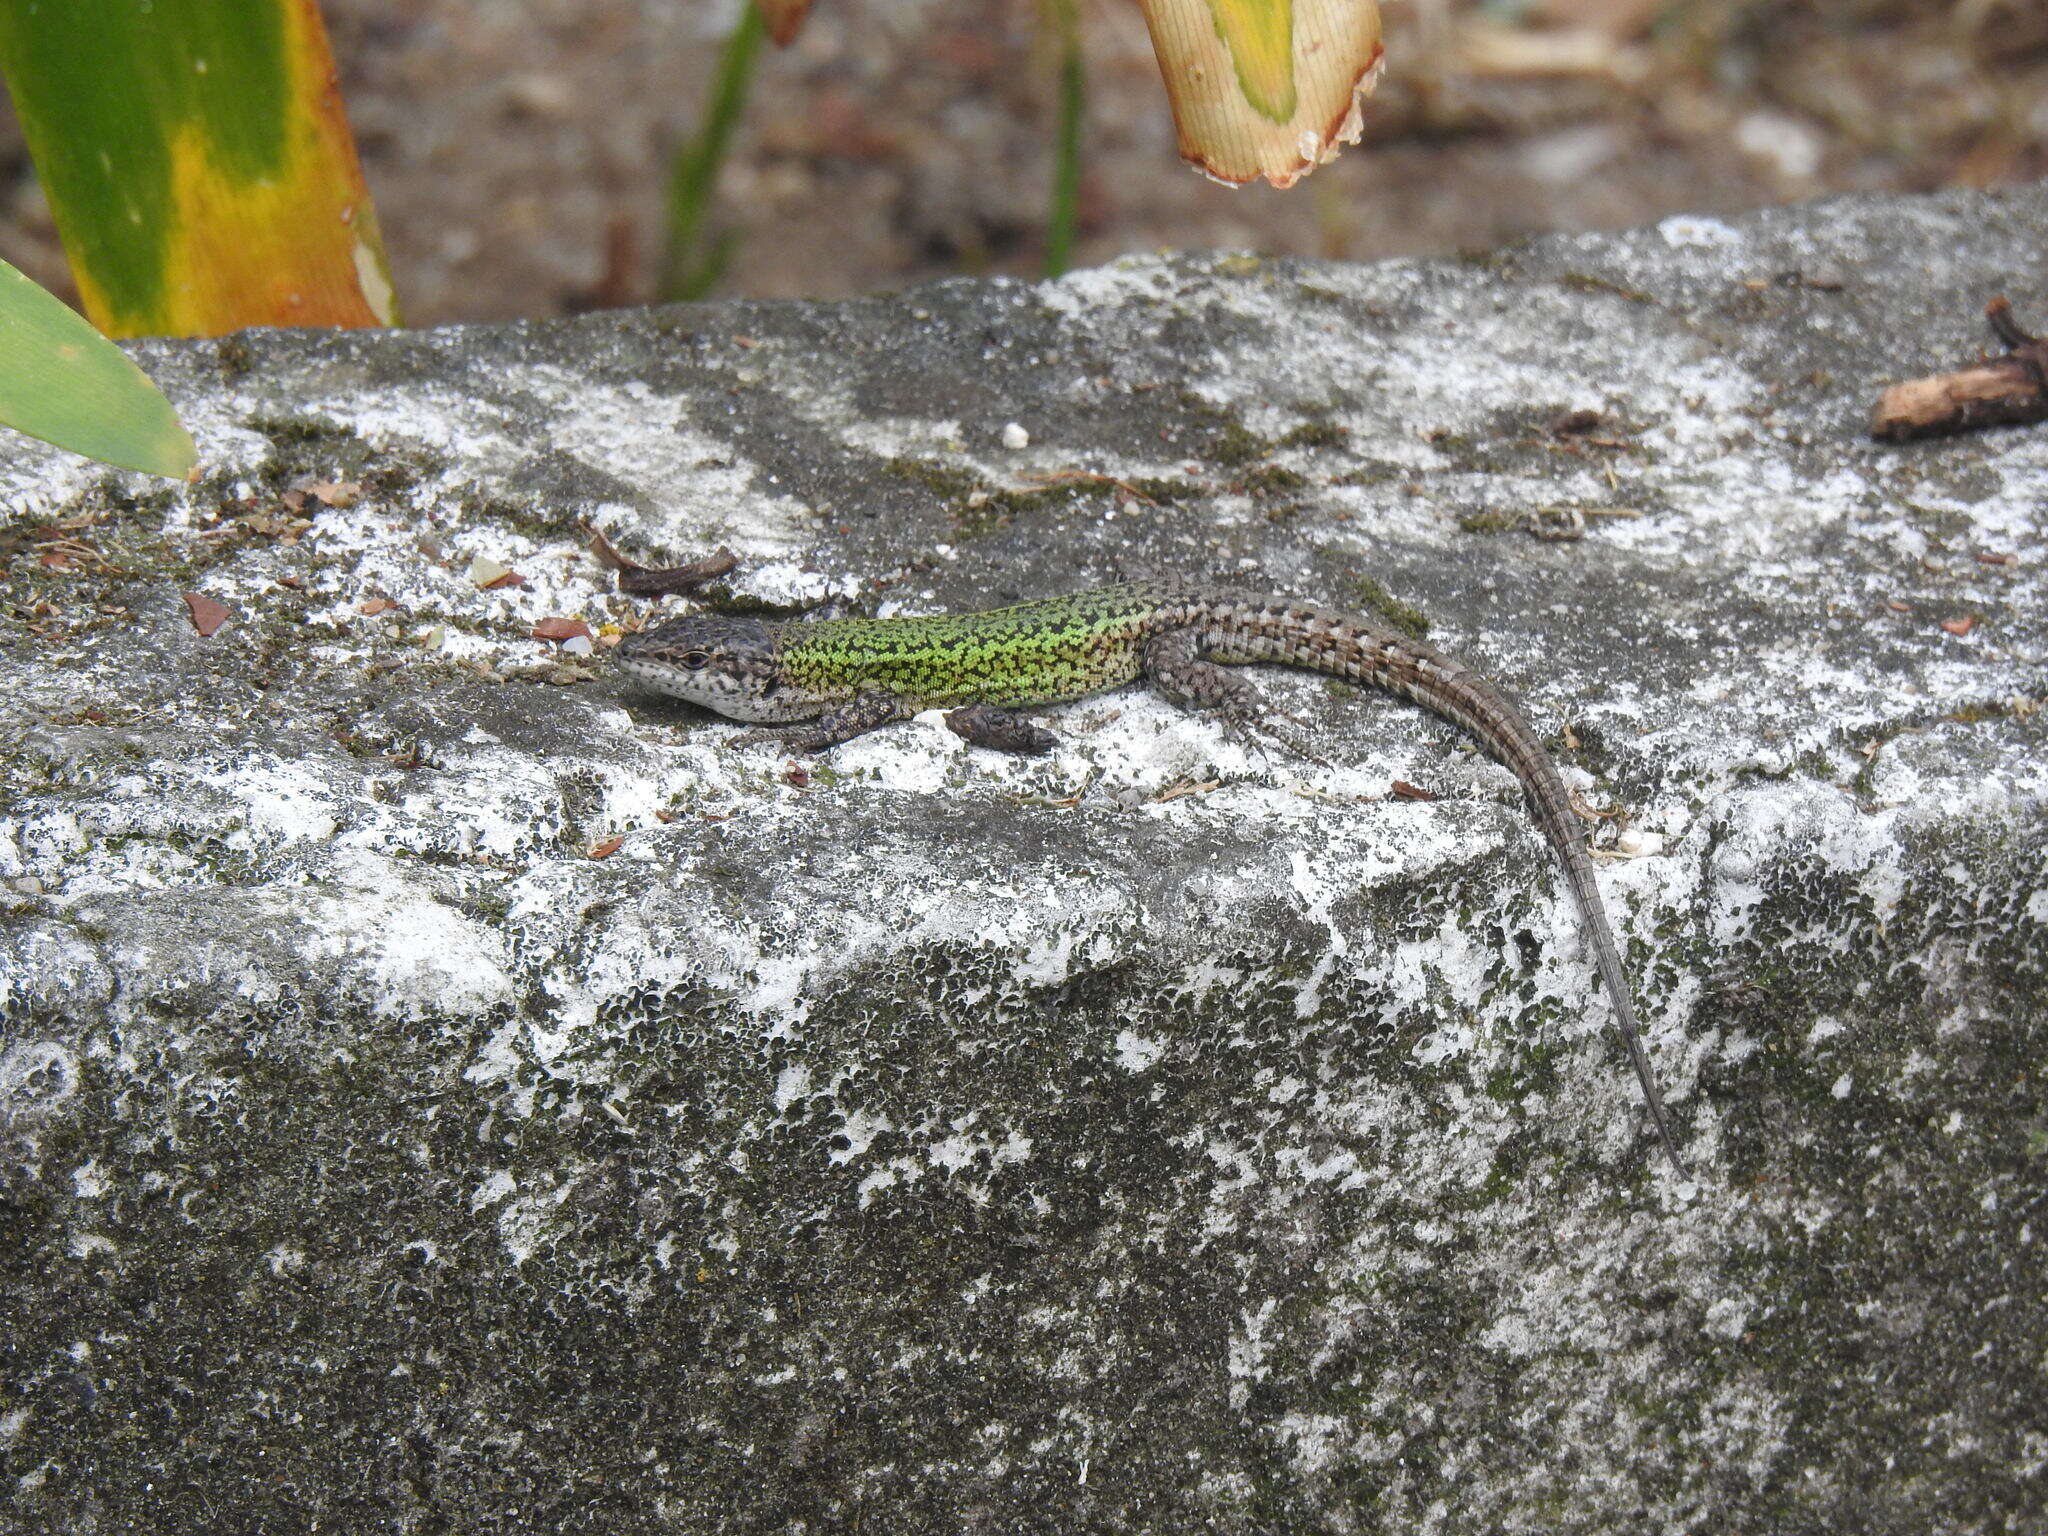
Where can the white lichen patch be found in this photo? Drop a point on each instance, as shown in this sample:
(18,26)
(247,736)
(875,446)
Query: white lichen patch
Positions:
(330,957)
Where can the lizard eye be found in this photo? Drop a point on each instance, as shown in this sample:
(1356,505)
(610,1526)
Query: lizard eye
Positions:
(696,661)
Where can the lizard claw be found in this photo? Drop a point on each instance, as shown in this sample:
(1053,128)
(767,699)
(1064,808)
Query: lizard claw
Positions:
(798,740)
(1262,732)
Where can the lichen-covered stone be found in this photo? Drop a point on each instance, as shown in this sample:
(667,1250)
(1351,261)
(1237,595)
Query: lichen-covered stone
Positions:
(1163,1137)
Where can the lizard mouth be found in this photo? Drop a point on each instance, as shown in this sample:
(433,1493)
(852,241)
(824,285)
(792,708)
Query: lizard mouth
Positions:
(723,684)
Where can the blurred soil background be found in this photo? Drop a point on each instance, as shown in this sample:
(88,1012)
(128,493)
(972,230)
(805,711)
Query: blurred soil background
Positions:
(518,152)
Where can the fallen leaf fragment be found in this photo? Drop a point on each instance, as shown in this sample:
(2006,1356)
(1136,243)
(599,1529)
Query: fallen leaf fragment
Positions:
(1403,790)
(1896,606)
(606,848)
(333,493)
(1960,626)
(1997,557)
(561,629)
(797,778)
(509,579)
(486,572)
(271,526)
(375,606)
(207,615)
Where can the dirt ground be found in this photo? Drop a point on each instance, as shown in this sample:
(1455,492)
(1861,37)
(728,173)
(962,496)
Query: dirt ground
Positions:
(518,152)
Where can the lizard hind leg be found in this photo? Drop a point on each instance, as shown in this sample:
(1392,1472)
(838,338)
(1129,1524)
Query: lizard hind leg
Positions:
(1178,670)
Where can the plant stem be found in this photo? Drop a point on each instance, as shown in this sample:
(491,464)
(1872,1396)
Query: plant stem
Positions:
(1066,174)
(686,274)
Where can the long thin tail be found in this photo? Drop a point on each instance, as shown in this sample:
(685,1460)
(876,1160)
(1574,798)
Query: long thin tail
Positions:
(1487,713)
(1342,645)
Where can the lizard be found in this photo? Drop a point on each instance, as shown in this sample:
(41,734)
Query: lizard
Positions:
(826,681)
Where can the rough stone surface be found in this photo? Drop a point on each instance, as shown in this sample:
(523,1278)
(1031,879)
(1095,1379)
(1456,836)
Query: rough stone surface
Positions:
(1162,1137)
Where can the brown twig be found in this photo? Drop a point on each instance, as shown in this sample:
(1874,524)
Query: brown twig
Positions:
(1069,476)
(653,581)
(2002,390)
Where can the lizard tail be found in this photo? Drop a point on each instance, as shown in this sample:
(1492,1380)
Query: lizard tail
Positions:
(1463,697)
(1340,645)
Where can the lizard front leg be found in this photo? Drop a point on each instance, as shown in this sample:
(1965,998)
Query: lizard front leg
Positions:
(856,717)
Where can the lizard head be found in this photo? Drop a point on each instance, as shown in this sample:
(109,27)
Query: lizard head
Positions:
(725,664)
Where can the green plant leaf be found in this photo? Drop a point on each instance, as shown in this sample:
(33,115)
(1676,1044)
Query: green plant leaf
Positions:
(689,270)
(62,381)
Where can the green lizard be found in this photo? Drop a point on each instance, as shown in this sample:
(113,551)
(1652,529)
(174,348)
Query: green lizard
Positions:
(842,677)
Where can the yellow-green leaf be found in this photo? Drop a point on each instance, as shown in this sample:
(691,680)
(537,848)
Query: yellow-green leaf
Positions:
(198,163)
(62,381)
(1260,37)
(1266,88)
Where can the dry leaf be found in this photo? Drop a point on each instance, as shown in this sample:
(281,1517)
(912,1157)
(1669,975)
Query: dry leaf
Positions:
(509,579)
(1403,790)
(561,629)
(1265,87)
(1960,626)
(486,572)
(375,606)
(207,615)
(605,849)
(332,493)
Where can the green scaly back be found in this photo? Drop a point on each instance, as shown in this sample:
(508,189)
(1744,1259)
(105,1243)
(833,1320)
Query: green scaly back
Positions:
(1035,653)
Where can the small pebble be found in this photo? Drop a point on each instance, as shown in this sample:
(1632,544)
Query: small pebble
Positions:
(1014,437)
